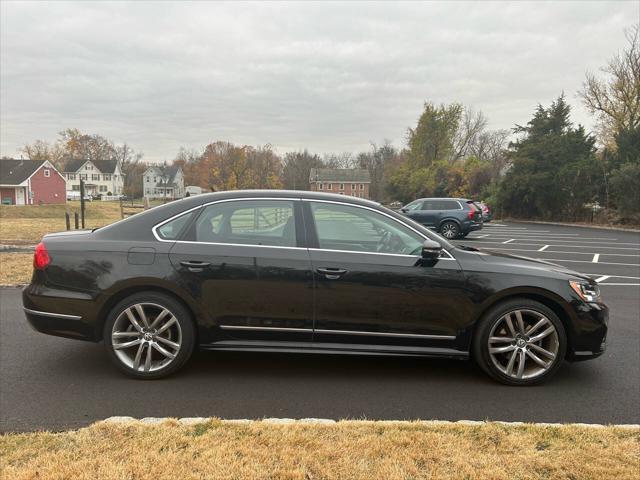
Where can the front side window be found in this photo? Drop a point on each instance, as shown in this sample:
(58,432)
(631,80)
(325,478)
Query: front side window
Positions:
(415,205)
(248,222)
(345,227)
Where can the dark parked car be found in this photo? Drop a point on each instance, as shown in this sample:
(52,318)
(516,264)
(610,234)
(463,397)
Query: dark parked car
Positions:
(306,272)
(451,217)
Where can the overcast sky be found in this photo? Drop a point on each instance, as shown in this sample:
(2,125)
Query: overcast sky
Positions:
(328,77)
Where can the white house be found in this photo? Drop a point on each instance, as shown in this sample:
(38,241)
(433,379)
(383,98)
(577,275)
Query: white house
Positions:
(159,181)
(101,177)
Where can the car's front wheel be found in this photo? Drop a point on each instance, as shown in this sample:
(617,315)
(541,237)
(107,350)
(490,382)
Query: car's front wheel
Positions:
(450,230)
(520,342)
(149,335)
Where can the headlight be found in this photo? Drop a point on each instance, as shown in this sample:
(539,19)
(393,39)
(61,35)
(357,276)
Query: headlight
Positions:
(586,291)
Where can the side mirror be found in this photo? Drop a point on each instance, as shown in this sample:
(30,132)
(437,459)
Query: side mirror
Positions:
(431,250)
(404,210)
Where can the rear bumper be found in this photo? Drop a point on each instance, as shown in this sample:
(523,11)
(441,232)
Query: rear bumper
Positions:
(471,227)
(59,316)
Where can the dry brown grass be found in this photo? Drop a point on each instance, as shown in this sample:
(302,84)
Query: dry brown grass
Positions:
(15,268)
(349,450)
(29,223)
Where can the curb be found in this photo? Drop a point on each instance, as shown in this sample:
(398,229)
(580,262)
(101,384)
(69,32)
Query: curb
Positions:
(188,421)
(579,225)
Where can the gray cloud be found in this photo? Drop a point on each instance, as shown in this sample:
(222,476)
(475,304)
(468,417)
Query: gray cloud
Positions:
(328,77)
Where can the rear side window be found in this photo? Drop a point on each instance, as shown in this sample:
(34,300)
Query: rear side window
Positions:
(449,205)
(251,222)
(172,229)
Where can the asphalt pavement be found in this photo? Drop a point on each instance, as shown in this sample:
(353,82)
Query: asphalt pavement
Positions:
(55,384)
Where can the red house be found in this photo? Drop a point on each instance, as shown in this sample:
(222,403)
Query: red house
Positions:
(30,182)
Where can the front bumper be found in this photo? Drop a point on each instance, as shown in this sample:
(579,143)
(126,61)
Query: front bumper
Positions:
(591,326)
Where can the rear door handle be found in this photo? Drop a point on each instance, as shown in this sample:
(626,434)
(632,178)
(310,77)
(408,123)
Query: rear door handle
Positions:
(331,273)
(195,266)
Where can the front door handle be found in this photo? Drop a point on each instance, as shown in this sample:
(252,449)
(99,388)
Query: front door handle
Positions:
(331,273)
(195,266)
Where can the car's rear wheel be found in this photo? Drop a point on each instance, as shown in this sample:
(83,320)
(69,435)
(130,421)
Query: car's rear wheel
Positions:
(149,335)
(520,342)
(450,230)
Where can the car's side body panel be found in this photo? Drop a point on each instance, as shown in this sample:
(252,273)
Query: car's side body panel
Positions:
(257,297)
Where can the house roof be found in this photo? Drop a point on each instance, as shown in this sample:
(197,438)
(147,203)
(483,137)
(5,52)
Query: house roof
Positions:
(360,175)
(166,171)
(104,166)
(14,172)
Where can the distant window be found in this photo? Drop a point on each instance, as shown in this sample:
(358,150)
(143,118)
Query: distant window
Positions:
(329,186)
(341,187)
(75,188)
(362,186)
(103,188)
(47,172)
(353,186)
(106,177)
(320,186)
(360,195)
(95,176)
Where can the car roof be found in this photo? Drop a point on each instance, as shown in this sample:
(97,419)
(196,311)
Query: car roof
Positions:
(445,198)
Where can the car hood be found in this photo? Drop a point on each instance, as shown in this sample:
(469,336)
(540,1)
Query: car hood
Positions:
(517,261)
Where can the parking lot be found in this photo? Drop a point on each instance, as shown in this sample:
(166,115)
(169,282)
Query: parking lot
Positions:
(611,256)
(54,383)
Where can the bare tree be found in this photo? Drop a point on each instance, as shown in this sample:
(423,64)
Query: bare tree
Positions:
(471,126)
(616,99)
(297,168)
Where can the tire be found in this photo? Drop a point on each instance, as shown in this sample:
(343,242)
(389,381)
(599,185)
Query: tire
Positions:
(503,362)
(450,230)
(154,349)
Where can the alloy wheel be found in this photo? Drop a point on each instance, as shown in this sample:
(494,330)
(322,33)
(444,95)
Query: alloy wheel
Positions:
(523,344)
(146,337)
(449,230)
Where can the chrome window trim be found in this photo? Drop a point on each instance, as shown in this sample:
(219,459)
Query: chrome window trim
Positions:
(50,314)
(158,225)
(262,329)
(386,215)
(157,237)
(337,332)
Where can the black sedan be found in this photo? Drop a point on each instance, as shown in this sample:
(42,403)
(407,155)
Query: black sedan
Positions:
(306,272)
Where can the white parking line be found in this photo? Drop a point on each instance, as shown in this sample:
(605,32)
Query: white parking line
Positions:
(586,245)
(589,261)
(596,257)
(572,253)
(543,248)
(602,278)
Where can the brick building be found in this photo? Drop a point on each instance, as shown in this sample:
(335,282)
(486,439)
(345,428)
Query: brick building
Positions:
(30,182)
(344,181)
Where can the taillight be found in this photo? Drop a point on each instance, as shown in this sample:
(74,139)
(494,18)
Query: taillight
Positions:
(40,257)
(471,212)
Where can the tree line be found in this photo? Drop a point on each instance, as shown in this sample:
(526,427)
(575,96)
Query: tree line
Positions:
(548,168)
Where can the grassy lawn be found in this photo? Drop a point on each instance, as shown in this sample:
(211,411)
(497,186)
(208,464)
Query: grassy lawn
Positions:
(27,224)
(15,268)
(349,450)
